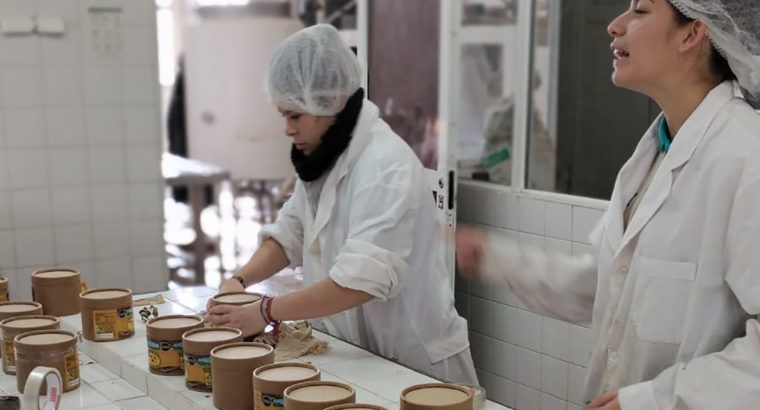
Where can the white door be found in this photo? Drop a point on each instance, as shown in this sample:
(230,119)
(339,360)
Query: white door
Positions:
(231,125)
(410,67)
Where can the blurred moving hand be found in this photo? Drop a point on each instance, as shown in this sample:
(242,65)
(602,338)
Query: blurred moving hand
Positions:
(470,243)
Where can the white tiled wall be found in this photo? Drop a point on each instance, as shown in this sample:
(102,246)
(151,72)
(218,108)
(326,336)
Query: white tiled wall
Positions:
(524,360)
(80,181)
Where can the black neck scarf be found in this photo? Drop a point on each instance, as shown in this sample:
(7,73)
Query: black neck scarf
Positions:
(334,141)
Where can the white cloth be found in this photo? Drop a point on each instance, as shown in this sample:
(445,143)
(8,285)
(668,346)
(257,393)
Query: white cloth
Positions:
(375,230)
(677,295)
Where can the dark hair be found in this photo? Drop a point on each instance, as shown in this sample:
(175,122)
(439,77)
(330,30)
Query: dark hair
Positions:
(718,63)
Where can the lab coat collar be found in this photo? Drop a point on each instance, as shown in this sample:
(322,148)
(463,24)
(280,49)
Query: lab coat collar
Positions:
(359,141)
(683,147)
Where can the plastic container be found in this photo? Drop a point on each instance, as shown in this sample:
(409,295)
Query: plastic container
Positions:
(16,308)
(356,406)
(318,395)
(51,348)
(231,363)
(14,326)
(164,334)
(57,289)
(270,382)
(478,396)
(436,396)
(107,314)
(197,345)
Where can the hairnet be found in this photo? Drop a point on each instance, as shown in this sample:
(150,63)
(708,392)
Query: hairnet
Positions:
(313,71)
(734,29)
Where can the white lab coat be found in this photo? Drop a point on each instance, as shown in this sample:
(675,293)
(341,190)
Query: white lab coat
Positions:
(673,299)
(375,230)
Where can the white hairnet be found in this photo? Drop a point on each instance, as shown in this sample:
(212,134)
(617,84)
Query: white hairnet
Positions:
(313,72)
(734,29)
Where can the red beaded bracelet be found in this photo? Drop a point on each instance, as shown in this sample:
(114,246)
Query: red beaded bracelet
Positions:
(265,308)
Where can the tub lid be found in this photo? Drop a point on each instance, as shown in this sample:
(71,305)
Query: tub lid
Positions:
(241,352)
(105,294)
(284,373)
(320,393)
(29,322)
(46,338)
(174,322)
(435,396)
(211,335)
(237,298)
(17,307)
(56,274)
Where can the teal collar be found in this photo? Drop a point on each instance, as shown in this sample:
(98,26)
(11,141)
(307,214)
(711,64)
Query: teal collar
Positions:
(664,134)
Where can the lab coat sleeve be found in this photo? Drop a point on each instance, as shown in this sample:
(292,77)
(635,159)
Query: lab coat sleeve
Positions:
(555,285)
(287,230)
(728,379)
(380,239)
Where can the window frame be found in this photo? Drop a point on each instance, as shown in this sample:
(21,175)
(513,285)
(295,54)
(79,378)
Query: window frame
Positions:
(523,97)
(453,37)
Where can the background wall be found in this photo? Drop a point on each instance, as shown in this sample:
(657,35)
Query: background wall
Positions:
(80,180)
(524,360)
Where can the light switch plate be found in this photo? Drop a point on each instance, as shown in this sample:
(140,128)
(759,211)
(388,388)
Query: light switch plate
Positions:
(50,25)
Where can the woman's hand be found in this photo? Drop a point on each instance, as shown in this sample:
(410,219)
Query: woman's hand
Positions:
(469,250)
(247,318)
(606,401)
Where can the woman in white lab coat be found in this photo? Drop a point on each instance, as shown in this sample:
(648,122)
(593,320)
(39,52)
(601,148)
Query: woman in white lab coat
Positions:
(361,222)
(674,294)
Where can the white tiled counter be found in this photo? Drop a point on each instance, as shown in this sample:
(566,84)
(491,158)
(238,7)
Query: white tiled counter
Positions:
(115,375)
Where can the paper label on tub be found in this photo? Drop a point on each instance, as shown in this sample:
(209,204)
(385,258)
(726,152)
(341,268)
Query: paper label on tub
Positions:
(165,355)
(267,401)
(71,367)
(113,324)
(198,371)
(10,355)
